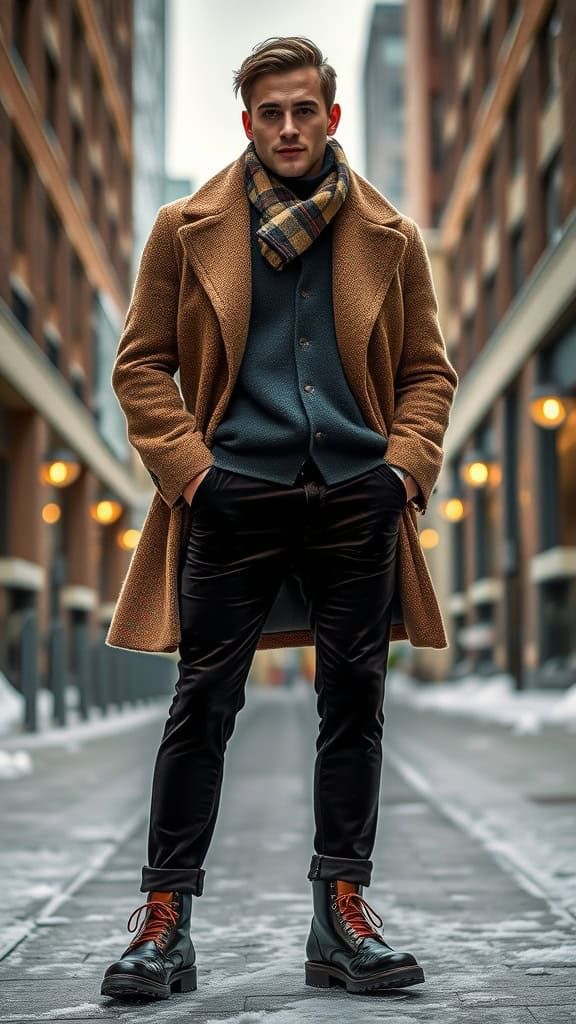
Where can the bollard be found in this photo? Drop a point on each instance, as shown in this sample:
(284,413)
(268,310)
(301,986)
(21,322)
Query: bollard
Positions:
(101,678)
(57,672)
(29,666)
(82,665)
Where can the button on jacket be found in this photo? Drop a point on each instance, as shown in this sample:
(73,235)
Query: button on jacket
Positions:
(190,311)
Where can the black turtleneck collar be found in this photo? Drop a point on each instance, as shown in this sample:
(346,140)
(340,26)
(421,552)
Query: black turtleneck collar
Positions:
(306,184)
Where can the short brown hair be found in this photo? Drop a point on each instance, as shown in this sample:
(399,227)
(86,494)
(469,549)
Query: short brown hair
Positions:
(281,53)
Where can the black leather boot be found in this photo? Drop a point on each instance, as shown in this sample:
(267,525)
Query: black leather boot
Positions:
(161,957)
(344,947)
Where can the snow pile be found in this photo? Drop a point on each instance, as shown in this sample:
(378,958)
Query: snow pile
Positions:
(11,706)
(15,764)
(493,700)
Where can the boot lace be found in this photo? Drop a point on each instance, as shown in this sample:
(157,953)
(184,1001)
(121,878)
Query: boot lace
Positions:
(359,914)
(160,918)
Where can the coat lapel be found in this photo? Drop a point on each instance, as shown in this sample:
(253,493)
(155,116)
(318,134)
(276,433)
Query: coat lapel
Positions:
(216,242)
(365,256)
(366,253)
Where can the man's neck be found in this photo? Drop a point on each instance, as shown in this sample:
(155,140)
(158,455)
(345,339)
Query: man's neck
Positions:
(304,185)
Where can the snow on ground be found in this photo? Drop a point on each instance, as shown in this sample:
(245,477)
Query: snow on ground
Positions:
(75,732)
(491,699)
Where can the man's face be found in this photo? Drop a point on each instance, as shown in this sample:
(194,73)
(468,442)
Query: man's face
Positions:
(288,121)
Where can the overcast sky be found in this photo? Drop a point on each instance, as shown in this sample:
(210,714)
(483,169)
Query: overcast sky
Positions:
(210,39)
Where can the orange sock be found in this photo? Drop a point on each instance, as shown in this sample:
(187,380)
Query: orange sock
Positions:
(342,887)
(163,897)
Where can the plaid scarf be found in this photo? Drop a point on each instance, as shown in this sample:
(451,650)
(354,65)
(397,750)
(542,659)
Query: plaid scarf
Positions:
(288,225)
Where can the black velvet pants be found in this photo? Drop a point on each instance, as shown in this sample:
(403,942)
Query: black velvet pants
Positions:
(245,533)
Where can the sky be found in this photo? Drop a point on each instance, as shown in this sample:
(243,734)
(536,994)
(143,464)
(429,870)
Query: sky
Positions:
(209,39)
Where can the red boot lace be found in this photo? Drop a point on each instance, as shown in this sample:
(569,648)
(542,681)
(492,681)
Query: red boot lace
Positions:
(160,917)
(353,908)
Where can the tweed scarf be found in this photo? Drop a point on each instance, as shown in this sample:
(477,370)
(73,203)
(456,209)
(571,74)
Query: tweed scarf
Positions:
(288,225)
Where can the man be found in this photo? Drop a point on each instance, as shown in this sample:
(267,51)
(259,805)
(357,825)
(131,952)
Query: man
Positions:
(298,305)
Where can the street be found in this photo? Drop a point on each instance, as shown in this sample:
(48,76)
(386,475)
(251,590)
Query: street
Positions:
(474,871)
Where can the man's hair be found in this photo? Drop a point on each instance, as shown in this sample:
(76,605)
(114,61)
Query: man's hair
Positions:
(283,53)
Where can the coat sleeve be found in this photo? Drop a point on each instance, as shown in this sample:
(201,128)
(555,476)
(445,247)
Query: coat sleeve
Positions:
(160,428)
(425,380)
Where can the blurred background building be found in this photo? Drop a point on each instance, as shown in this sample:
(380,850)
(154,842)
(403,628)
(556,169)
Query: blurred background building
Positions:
(384,91)
(491,172)
(77,158)
(467,111)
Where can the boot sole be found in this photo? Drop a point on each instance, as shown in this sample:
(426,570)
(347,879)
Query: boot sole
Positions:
(124,986)
(321,975)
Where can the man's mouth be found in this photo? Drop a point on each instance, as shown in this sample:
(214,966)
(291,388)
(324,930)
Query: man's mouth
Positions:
(288,150)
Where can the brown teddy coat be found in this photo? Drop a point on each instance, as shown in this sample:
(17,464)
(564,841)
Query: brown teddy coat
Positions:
(190,311)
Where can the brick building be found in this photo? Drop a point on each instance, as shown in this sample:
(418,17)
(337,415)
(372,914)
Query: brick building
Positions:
(65,280)
(491,159)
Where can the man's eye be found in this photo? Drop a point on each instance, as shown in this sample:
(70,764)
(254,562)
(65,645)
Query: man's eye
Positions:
(269,114)
(305,110)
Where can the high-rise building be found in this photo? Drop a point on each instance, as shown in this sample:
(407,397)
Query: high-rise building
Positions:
(65,282)
(384,77)
(492,156)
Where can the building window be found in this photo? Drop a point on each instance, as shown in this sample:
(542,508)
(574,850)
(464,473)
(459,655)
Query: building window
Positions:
(78,384)
(517,259)
(512,12)
(437,119)
(466,115)
(552,187)
(76,300)
(20,306)
(515,134)
(486,49)
(490,305)
(94,101)
(96,199)
(468,244)
(466,19)
(548,44)
(77,50)
(20,31)
(468,346)
(489,203)
(52,254)
(51,90)
(76,151)
(20,197)
(52,350)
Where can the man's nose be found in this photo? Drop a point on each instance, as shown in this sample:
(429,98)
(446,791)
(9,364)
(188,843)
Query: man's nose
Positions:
(289,129)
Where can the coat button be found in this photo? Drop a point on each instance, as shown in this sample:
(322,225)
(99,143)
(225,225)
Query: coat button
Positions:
(304,342)
(319,435)
(309,388)
(304,294)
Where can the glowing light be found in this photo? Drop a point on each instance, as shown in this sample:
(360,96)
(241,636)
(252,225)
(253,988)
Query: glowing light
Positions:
(51,513)
(429,538)
(476,474)
(548,411)
(452,509)
(106,511)
(128,539)
(61,470)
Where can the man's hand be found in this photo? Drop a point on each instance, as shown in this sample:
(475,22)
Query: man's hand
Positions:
(191,488)
(411,487)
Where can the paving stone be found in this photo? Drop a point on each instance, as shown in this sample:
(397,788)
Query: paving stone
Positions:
(492,952)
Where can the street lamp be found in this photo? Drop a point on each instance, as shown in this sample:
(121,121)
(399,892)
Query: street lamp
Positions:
(106,511)
(452,507)
(478,470)
(60,468)
(128,539)
(548,406)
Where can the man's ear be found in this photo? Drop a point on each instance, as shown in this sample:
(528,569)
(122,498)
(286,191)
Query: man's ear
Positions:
(247,125)
(335,115)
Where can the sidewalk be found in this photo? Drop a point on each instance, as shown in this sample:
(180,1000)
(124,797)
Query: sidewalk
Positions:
(495,945)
